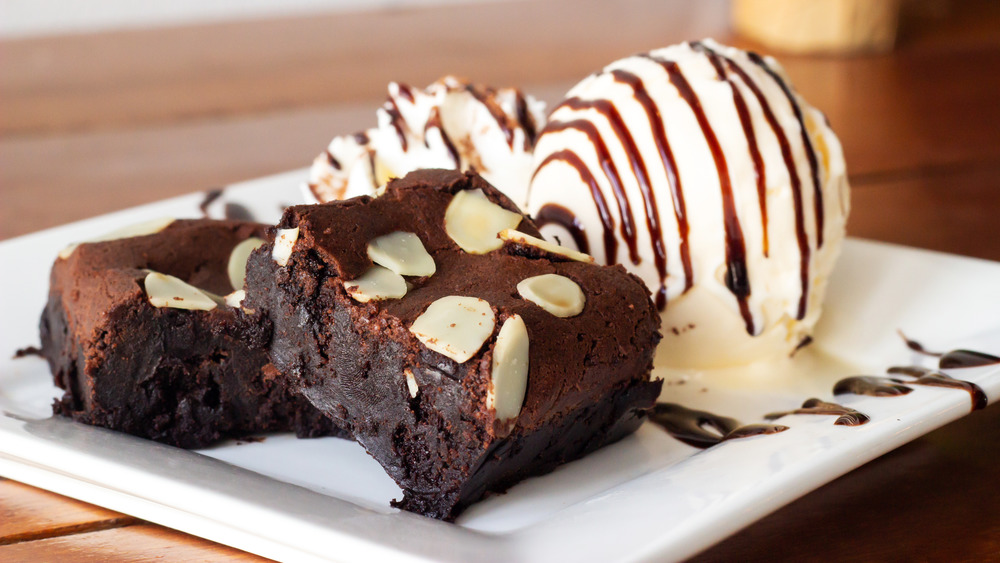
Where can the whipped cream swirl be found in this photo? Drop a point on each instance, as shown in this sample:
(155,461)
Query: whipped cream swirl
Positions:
(451,124)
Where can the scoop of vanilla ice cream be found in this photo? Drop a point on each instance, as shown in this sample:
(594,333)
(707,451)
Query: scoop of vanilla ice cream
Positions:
(450,124)
(700,169)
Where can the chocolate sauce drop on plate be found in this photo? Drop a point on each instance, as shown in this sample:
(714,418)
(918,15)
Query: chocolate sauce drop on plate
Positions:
(912,371)
(916,346)
(890,386)
(802,344)
(692,426)
(237,212)
(751,430)
(210,196)
(871,385)
(27,351)
(703,429)
(931,378)
(846,415)
(966,359)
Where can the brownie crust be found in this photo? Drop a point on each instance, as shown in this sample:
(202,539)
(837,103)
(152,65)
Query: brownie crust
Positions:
(588,382)
(181,377)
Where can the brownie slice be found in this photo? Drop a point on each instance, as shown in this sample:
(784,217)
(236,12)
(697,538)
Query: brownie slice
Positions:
(179,376)
(438,422)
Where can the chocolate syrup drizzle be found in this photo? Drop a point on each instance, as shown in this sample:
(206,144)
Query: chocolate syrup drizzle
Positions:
(397,121)
(806,142)
(695,428)
(526,121)
(793,174)
(638,165)
(405,91)
(28,351)
(485,97)
(608,222)
(748,132)
(332,160)
(434,121)
(892,387)
(846,415)
(737,277)
(670,167)
(610,170)
(555,214)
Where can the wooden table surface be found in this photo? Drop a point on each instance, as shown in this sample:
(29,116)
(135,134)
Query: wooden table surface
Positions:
(95,123)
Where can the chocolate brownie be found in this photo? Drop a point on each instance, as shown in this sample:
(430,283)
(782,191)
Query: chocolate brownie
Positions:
(182,376)
(461,362)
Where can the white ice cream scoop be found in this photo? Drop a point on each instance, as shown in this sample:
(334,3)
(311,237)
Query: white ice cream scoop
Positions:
(700,169)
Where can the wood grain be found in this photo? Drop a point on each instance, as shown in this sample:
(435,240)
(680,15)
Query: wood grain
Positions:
(133,544)
(115,80)
(27,513)
(952,209)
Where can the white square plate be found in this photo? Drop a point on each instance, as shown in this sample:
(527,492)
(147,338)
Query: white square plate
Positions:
(646,496)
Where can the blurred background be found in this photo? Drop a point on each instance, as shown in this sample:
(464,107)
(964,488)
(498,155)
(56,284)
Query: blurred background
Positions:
(112,103)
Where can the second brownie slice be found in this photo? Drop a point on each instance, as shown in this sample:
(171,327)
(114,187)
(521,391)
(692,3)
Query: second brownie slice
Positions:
(463,360)
(136,335)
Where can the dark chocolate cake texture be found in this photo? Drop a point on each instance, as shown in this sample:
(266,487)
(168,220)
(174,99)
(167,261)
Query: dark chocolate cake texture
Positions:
(463,352)
(136,334)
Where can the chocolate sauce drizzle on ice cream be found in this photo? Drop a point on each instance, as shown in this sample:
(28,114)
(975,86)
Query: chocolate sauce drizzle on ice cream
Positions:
(451,124)
(700,169)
